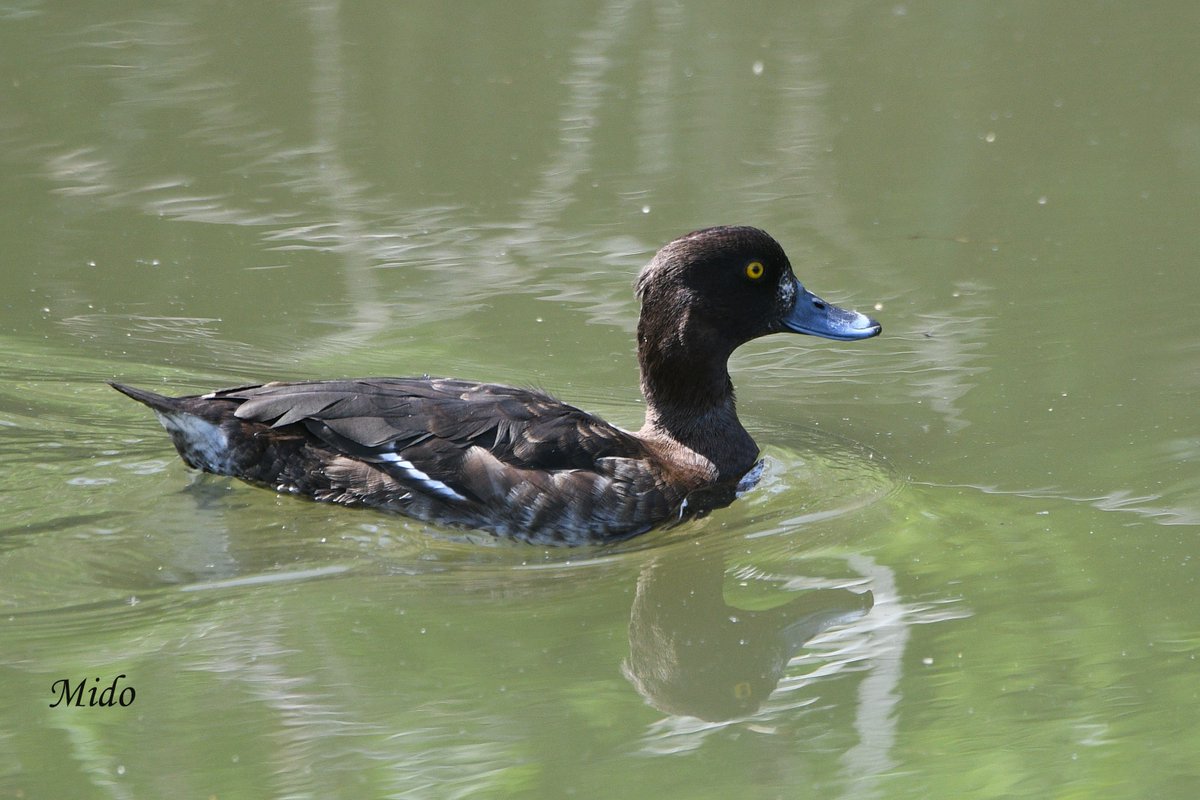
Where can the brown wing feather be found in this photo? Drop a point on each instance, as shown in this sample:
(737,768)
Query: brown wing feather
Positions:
(515,461)
(420,416)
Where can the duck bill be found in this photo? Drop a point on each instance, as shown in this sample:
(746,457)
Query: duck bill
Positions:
(814,316)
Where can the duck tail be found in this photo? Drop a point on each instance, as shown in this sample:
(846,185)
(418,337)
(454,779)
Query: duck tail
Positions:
(195,427)
(157,402)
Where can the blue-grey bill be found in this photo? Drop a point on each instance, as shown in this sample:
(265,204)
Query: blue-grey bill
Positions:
(814,316)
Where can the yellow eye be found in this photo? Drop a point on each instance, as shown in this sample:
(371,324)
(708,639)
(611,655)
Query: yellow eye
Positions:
(754,270)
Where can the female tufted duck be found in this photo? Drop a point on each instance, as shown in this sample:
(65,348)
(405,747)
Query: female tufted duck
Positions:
(517,462)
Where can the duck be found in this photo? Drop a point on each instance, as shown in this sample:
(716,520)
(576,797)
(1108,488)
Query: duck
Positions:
(518,463)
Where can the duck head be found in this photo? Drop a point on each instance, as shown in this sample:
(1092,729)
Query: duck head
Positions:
(703,295)
(708,292)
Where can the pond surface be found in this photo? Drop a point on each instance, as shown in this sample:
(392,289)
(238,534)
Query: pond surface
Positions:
(968,571)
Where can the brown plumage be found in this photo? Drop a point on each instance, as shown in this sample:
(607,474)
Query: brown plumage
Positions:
(517,462)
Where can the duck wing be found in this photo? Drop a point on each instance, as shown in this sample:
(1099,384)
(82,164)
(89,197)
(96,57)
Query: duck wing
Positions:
(515,461)
(372,417)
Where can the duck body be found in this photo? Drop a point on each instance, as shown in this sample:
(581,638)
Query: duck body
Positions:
(516,462)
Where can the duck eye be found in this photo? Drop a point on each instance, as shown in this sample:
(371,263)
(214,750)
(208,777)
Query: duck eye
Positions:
(754,270)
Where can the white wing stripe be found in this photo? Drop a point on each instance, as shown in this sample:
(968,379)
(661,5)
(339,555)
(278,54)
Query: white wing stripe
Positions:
(424,482)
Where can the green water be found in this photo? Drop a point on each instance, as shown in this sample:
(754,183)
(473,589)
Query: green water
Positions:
(968,571)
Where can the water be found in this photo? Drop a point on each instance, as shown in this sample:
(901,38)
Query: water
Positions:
(968,570)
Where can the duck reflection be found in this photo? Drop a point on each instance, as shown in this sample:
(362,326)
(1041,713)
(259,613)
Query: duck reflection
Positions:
(690,653)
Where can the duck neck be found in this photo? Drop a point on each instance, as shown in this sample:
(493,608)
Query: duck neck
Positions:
(690,401)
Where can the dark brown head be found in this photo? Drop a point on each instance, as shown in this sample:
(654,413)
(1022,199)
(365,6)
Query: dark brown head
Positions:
(710,291)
